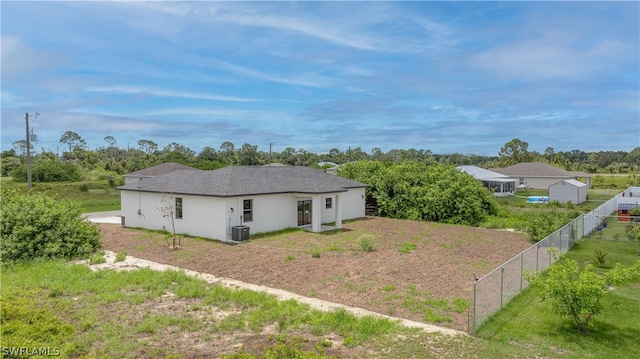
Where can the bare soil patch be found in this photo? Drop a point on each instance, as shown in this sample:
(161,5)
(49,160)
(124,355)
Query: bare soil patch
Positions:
(418,271)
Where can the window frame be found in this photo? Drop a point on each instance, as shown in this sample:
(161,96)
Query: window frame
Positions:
(179,206)
(328,203)
(247,210)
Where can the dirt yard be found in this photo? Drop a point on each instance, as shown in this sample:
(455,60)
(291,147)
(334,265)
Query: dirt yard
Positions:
(418,271)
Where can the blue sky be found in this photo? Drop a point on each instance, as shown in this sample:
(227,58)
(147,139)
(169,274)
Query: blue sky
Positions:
(448,77)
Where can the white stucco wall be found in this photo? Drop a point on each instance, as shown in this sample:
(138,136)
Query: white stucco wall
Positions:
(213,217)
(328,214)
(201,216)
(270,212)
(352,203)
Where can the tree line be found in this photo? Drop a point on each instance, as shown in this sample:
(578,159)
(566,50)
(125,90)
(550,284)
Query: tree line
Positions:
(116,160)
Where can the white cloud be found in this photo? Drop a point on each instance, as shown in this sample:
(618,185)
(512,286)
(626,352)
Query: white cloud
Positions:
(151,91)
(249,116)
(534,60)
(308,79)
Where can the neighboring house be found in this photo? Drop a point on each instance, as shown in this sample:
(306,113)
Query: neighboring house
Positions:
(329,167)
(568,191)
(211,204)
(154,171)
(498,184)
(539,175)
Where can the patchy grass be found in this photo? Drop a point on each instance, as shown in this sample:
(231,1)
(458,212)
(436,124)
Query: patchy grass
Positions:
(131,314)
(275,233)
(406,247)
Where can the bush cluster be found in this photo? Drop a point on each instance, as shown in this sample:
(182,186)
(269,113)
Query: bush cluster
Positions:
(35,225)
(423,191)
(47,170)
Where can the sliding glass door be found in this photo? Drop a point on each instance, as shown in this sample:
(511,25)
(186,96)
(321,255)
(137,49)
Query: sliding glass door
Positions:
(304,212)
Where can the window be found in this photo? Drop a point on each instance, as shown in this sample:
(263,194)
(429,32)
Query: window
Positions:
(178,208)
(521,180)
(328,203)
(247,210)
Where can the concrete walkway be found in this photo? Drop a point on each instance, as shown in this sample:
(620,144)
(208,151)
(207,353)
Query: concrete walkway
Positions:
(104,217)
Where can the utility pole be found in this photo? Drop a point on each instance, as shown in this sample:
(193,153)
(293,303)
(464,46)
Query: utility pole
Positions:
(26,118)
(270,145)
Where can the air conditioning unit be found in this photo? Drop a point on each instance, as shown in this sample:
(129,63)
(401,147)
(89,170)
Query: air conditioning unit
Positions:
(239,233)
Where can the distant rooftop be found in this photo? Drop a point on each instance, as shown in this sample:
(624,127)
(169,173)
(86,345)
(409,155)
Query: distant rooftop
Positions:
(160,169)
(533,169)
(481,173)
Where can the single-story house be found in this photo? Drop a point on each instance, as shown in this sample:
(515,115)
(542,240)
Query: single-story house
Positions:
(498,184)
(568,191)
(211,204)
(154,171)
(539,175)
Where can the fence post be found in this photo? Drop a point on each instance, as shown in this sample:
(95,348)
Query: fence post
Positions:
(561,241)
(475,285)
(501,286)
(521,269)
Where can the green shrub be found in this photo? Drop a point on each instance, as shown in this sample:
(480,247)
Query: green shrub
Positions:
(599,258)
(366,242)
(576,292)
(97,259)
(121,256)
(48,169)
(540,224)
(38,226)
(423,191)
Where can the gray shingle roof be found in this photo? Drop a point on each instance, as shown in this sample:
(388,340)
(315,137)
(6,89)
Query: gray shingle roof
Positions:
(160,169)
(245,180)
(532,169)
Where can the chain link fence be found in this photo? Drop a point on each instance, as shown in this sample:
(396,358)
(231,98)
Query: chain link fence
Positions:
(494,290)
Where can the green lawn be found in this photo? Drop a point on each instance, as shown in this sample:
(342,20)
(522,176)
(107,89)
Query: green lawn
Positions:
(528,322)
